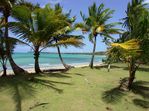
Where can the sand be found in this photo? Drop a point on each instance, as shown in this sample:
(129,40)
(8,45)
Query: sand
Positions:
(31,70)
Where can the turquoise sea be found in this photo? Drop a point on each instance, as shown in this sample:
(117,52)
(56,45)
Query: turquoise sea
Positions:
(26,60)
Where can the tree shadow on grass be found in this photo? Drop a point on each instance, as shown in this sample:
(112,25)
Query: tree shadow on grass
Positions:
(106,66)
(38,105)
(24,86)
(113,96)
(58,75)
(49,84)
(55,70)
(116,94)
(141,103)
(141,88)
(142,69)
(18,87)
(79,74)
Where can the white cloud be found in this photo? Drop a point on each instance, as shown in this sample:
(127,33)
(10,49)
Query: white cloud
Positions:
(146,1)
(55,1)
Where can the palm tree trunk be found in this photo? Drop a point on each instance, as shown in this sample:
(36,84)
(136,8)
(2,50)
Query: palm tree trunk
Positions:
(4,71)
(36,57)
(61,59)
(93,55)
(132,71)
(16,69)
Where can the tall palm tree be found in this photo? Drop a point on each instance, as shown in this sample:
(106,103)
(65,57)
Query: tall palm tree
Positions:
(6,8)
(136,23)
(67,40)
(36,27)
(3,48)
(63,34)
(96,24)
(3,55)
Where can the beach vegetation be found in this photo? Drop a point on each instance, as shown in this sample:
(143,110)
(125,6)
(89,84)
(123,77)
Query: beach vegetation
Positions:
(96,24)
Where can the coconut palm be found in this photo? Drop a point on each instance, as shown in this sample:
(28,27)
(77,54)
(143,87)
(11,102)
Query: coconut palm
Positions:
(65,41)
(6,8)
(3,48)
(137,22)
(37,27)
(96,24)
(63,34)
(3,55)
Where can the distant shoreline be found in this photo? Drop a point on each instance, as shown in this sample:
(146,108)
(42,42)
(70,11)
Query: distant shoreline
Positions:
(79,53)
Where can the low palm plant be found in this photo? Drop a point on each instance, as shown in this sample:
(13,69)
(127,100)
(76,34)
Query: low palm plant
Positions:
(129,52)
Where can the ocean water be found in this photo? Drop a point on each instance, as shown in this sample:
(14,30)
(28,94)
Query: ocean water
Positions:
(26,60)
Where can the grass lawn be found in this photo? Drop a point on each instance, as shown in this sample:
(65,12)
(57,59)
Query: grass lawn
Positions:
(80,89)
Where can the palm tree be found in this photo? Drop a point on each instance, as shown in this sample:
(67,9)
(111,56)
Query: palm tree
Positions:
(67,40)
(3,55)
(130,52)
(63,34)
(136,23)
(6,8)
(96,24)
(36,27)
(3,49)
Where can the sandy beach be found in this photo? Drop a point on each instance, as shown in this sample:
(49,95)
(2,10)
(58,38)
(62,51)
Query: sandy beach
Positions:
(31,70)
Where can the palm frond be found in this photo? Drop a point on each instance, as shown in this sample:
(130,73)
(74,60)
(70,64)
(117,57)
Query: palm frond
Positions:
(128,45)
(68,42)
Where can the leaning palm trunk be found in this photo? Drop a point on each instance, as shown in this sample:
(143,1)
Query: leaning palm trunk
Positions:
(93,55)
(132,71)
(36,57)
(62,61)
(4,67)
(4,71)
(16,69)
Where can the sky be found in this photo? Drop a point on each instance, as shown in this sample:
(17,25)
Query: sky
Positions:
(82,5)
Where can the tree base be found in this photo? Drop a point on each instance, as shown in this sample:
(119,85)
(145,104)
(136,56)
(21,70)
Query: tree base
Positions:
(18,71)
(68,67)
(91,66)
(124,84)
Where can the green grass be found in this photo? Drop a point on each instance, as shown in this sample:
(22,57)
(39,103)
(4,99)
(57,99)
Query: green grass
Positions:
(80,89)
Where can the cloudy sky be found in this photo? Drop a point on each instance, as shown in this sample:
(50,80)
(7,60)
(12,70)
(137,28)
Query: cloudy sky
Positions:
(82,5)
